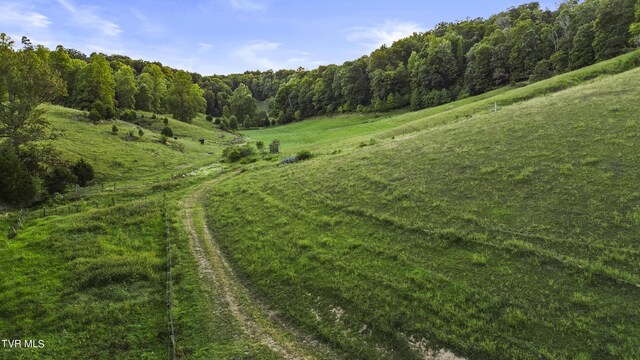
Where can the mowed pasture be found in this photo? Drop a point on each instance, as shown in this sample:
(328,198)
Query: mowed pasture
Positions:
(500,235)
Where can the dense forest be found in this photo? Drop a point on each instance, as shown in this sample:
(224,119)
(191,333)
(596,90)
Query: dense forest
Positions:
(447,63)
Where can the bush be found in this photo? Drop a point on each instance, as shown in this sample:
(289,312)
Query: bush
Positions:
(94,115)
(236,153)
(106,111)
(233,122)
(114,129)
(154,116)
(140,132)
(129,115)
(83,172)
(167,132)
(17,186)
(217,121)
(58,179)
(209,118)
(165,121)
(274,147)
(304,155)
(260,145)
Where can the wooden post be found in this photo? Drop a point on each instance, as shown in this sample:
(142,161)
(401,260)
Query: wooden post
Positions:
(495,106)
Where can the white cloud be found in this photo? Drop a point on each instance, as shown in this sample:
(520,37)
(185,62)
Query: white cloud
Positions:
(386,33)
(204,46)
(88,17)
(255,54)
(17,14)
(265,55)
(247,5)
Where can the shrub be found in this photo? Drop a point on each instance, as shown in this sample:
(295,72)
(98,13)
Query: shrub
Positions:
(304,155)
(129,115)
(165,121)
(233,122)
(167,132)
(114,129)
(274,147)
(83,172)
(140,132)
(154,116)
(94,115)
(236,153)
(17,186)
(260,145)
(217,121)
(59,178)
(209,118)
(106,111)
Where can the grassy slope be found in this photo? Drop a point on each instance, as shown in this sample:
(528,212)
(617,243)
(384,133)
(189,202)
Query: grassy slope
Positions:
(117,159)
(346,131)
(89,278)
(92,283)
(498,235)
(322,133)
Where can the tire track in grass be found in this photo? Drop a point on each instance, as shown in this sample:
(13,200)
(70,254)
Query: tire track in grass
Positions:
(214,268)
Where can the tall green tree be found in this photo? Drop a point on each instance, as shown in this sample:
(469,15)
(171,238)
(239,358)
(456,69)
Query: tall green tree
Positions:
(67,68)
(479,75)
(634,29)
(126,87)
(526,50)
(614,18)
(26,81)
(242,104)
(158,87)
(582,52)
(144,99)
(184,98)
(354,83)
(95,83)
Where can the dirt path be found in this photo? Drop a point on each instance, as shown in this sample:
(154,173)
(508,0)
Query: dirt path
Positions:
(213,268)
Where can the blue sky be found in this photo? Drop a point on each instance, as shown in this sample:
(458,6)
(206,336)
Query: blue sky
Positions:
(230,36)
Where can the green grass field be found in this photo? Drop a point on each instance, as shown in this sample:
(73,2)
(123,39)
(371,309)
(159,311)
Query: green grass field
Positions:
(496,235)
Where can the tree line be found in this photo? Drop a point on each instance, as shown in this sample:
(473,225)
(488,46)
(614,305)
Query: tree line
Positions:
(465,58)
(450,62)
